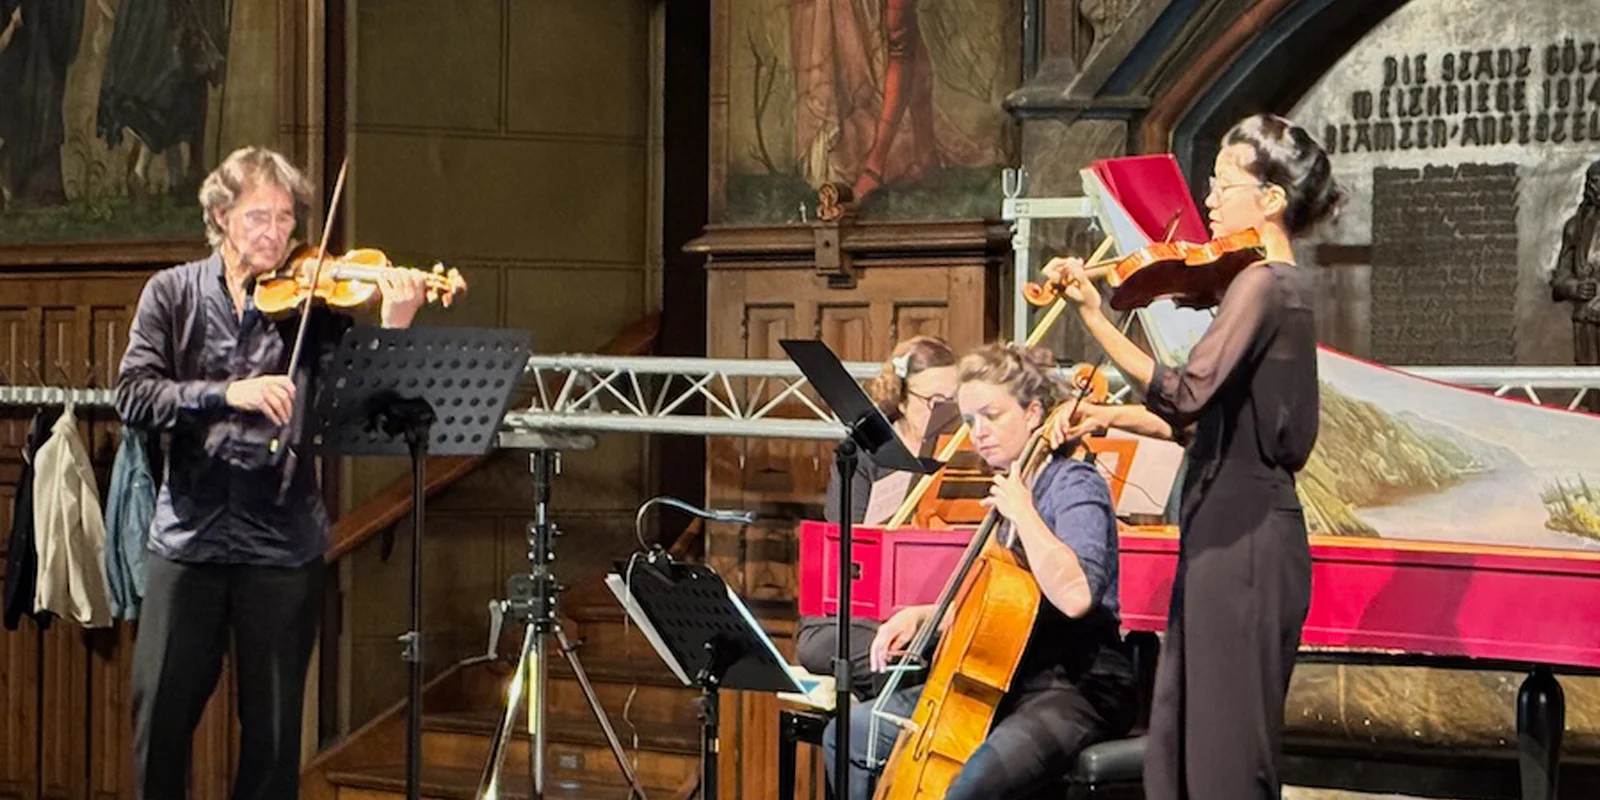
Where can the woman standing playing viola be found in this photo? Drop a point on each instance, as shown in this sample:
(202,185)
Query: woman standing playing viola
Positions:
(1246,405)
(1074,686)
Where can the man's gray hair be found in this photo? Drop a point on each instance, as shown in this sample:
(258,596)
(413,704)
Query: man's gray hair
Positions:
(242,170)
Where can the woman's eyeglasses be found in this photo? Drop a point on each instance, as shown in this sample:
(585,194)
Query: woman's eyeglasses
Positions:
(1218,188)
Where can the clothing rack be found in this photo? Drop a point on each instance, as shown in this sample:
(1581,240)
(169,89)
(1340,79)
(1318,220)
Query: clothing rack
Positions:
(56,395)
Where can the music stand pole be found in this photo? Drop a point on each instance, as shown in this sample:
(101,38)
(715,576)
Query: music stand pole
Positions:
(703,629)
(411,419)
(845,460)
(382,395)
(867,430)
(709,679)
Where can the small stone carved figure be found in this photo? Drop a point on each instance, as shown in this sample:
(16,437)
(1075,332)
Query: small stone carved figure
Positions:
(1103,16)
(1577,275)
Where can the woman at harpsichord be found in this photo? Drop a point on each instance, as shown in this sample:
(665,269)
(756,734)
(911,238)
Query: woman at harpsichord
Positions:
(1246,404)
(916,391)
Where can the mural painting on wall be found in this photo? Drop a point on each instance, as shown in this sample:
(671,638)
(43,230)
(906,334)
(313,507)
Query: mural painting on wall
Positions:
(1468,134)
(112,111)
(897,99)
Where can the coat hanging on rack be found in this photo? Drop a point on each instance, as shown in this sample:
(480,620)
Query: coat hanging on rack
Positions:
(69,530)
(22,559)
(130,505)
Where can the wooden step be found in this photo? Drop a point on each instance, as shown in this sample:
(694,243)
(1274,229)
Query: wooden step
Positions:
(607,632)
(576,747)
(658,695)
(646,670)
(452,783)
(651,701)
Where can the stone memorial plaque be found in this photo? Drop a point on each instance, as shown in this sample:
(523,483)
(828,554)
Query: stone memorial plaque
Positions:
(1444,264)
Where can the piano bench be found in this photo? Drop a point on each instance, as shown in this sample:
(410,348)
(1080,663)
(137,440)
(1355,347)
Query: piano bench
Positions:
(1110,770)
(795,726)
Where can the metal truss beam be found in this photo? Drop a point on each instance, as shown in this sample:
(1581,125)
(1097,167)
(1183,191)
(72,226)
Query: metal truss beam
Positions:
(756,398)
(770,398)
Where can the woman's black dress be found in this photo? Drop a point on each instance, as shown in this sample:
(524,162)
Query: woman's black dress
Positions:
(1247,403)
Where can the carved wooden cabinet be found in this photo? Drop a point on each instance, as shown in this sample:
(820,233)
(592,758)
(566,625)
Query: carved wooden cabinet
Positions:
(859,288)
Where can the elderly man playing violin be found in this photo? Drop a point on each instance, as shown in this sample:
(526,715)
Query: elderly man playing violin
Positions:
(230,556)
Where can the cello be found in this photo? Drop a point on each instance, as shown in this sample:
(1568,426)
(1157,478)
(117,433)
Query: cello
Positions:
(990,597)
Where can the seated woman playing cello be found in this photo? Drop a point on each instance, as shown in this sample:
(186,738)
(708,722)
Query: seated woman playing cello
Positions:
(1074,685)
(917,384)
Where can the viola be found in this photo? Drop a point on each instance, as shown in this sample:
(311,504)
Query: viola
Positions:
(960,508)
(1192,275)
(345,282)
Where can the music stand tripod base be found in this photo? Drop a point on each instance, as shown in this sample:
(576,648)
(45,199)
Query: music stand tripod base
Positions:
(532,599)
(417,392)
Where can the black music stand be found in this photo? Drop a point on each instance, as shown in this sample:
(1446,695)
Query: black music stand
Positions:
(867,429)
(417,391)
(708,633)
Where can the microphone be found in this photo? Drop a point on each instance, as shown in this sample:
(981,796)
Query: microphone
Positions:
(713,515)
(729,515)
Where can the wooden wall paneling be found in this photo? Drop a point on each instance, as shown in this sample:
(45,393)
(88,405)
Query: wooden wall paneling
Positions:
(15,349)
(66,730)
(19,716)
(64,676)
(19,649)
(111,718)
(108,338)
(63,757)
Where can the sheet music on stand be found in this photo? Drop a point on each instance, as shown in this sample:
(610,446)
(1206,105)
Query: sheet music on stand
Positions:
(701,628)
(816,690)
(619,589)
(693,608)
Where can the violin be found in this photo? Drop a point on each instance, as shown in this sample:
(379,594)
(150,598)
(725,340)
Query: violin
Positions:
(346,282)
(1192,275)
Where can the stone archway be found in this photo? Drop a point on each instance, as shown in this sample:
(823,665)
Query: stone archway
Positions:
(1265,61)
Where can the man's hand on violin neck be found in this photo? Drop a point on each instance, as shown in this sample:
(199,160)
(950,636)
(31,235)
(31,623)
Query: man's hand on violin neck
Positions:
(271,395)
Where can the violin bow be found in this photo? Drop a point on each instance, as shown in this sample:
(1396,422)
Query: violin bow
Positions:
(316,270)
(1086,387)
(316,274)
(959,438)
